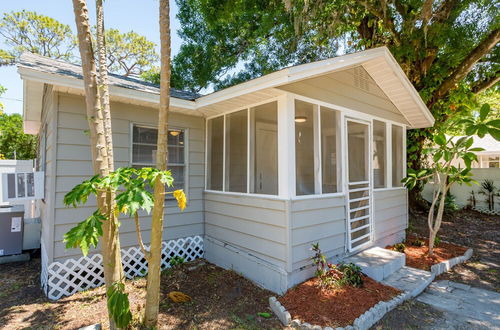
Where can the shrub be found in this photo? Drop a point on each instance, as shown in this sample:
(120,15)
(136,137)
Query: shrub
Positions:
(330,275)
(400,247)
(437,241)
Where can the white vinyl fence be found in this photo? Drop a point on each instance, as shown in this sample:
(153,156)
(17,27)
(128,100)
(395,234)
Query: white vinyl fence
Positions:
(463,192)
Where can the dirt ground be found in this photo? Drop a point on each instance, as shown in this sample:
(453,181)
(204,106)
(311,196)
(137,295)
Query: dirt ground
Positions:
(467,228)
(221,299)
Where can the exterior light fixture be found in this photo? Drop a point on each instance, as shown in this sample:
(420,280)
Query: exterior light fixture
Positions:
(175,133)
(300,119)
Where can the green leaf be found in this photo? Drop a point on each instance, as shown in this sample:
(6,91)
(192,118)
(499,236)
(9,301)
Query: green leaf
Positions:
(471,130)
(495,133)
(118,305)
(482,130)
(484,111)
(440,139)
(264,315)
(494,123)
(86,233)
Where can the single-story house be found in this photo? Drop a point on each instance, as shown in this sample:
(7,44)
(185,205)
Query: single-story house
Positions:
(311,153)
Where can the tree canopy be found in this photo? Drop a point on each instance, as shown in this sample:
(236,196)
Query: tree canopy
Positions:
(128,53)
(13,142)
(28,31)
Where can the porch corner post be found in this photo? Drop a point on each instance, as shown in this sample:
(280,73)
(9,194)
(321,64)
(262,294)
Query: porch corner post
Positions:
(286,146)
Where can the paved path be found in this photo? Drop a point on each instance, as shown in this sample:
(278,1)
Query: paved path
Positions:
(464,307)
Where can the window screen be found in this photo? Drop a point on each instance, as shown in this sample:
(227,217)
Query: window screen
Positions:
(304,147)
(379,158)
(397,156)
(329,149)
(236,151)
(215,153)
(144,151)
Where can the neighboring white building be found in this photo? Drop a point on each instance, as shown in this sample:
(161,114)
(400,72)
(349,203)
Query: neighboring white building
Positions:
(311,153)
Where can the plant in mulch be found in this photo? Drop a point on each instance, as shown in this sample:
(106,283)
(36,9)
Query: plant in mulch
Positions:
(417,242)
(399,247)
(437,241)
(335,275)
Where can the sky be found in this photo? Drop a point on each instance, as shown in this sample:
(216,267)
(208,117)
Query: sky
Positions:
(124,15)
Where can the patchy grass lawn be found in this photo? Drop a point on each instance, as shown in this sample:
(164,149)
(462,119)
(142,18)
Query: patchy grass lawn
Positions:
(221,299)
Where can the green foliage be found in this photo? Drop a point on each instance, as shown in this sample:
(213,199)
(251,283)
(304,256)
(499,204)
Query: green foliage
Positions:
(176,261)
(489,189)
(28,31)
(335,275)
(2,90)
(437,241)
(264,315)
(13,141)
(417,242)
(450,203)
(129,53)
(86,233)
(400,247)
(118,305)
(319,260)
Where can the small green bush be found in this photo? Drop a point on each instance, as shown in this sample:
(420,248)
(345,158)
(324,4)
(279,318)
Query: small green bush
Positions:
(400,247)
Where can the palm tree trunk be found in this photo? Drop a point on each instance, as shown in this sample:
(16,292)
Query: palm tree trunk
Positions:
(154,262)
(100,153)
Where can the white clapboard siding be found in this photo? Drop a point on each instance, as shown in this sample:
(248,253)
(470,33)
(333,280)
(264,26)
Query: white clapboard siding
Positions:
(254,224)
(74,165)
(315,220)
(390,212)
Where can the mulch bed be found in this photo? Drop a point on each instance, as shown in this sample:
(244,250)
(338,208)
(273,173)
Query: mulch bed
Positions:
(334,307)
(221,299)
(418,257)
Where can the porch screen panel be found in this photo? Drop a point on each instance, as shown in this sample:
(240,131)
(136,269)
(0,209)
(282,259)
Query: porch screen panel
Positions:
(236,151)
(264,149)
(215,153)
(304,147)
(379,158)
(397,156)
(329,150)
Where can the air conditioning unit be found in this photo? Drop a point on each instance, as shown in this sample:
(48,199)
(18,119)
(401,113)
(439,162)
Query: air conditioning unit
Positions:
(11,230)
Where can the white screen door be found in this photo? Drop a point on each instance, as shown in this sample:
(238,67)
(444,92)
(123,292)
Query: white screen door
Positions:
(358,184)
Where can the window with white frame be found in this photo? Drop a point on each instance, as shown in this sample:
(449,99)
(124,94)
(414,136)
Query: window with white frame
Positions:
(242,151)
(379,154)
(144,139)
(397,155)
(490,161)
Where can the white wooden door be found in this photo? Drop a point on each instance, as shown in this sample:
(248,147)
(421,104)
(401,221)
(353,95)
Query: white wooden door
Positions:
(358,184)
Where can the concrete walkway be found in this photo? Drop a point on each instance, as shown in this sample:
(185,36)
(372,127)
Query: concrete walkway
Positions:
(464,307)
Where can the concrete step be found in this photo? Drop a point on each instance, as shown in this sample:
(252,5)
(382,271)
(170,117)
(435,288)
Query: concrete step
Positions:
(378,263)
(410,280)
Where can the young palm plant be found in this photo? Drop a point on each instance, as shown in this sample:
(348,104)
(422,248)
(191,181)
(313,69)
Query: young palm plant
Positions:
(489,189)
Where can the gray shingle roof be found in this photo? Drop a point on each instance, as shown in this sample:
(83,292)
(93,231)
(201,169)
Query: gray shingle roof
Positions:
(48,65)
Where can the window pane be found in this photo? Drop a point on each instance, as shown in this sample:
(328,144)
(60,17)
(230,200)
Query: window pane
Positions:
(264,150)
(11,183)
(379,143)
(30,177)
(236,151)
(215,153)
(397,156)
(329,150)
(21,191)
(304,147)
(145,135)
(144,154)
(357,143)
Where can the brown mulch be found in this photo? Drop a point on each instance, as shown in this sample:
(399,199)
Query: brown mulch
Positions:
(418,256)
(221,299)
(334,307)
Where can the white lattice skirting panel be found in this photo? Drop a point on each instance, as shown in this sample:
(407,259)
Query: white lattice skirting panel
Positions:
(71,276)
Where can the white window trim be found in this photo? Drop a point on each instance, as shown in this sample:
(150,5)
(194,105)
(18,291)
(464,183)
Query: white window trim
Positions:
(186,150)
(287,101)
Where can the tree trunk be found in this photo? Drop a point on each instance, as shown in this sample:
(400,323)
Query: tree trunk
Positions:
(154,263)
(433,230)
(100,154)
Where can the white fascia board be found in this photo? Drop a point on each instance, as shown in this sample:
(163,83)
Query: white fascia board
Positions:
(408,86)
(73,82)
